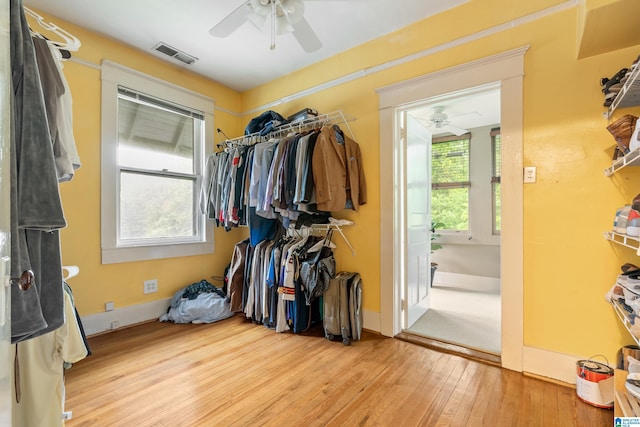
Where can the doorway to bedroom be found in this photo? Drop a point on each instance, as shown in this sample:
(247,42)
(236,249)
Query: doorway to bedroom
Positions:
(453,197)
(463,130)
(507,70)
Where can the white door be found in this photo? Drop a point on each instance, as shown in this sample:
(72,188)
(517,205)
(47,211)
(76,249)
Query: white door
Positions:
(417,218)
(5,234)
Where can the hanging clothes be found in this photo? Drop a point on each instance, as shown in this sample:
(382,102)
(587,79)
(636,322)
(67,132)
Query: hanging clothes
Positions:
(337,171)
(235,276)
(37,300)
(57,101)
(42,361)
(65,123)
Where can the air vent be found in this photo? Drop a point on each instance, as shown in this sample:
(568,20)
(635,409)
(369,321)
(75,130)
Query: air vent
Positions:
(175,53)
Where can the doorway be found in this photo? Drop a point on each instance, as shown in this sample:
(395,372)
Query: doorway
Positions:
(506,70)
(464,133)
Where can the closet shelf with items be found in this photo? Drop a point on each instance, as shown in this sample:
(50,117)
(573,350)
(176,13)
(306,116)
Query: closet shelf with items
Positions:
(622,315)
(629,95)
(630,159)
(623,91)
(624,296)
(623,239)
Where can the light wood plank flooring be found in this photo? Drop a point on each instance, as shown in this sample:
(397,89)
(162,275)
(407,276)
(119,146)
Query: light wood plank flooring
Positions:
(235,373)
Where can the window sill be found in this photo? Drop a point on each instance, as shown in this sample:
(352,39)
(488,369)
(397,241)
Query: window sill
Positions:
(144,253)
(467,239)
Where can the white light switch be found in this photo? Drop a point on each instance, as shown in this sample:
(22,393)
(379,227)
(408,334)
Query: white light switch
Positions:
(529,174)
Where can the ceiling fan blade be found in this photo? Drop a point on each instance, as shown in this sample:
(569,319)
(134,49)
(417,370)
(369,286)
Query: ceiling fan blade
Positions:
(305,35)
(232,21)
(454,129)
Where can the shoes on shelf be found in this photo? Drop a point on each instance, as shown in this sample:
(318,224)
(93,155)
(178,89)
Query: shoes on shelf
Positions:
(633,223)
(620,222)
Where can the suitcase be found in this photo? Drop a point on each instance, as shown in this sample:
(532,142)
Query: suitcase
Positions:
(342,307)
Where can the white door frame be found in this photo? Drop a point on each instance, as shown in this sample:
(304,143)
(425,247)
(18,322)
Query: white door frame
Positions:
(508,69)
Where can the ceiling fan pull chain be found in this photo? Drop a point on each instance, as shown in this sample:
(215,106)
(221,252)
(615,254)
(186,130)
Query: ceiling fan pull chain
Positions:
(273,25)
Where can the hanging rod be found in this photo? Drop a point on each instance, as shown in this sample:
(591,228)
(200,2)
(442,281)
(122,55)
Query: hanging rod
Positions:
(335,117)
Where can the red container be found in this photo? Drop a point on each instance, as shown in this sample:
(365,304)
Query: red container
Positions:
(590,375)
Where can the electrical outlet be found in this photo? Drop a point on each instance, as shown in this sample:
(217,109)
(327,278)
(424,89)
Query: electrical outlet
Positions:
(150,286)
(109,306)
(115,324)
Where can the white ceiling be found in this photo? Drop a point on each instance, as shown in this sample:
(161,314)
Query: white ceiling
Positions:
(468,109)
(242,60)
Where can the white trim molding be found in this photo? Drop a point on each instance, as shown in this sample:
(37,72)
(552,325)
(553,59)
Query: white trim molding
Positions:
(371,321)
(548,364)
(125,316)
(507,68)
(112,76)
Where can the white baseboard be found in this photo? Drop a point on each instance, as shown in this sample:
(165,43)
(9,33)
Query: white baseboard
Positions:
(371,321)
(125,316)
(102,322)
(545,363)
(466,281)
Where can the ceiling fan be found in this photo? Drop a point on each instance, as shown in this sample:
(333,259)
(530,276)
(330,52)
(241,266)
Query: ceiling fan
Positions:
(284,16)
(439,120)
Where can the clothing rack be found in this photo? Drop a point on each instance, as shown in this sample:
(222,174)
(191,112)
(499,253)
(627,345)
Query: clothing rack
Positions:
(335,117)
(324,228)
(338,228)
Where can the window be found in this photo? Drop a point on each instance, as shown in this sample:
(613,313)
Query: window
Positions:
(450,181)
(496,144)
(153,146)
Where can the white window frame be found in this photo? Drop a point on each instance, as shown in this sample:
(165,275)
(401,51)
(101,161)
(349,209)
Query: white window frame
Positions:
(114,75)
(435,186)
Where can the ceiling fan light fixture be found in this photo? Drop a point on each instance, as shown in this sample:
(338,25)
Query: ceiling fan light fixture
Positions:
(293,9)
(285,16)
(261,7)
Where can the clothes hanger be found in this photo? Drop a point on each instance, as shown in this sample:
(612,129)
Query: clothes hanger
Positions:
(71,42)
(326,241)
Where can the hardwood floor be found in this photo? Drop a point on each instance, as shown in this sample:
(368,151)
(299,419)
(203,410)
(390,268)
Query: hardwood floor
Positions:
(235,373)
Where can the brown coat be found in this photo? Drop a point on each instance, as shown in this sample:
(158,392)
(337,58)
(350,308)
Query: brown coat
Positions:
(337,172)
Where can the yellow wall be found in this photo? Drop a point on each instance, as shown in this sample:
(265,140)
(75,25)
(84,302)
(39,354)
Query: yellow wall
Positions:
(568,265)
(123,283)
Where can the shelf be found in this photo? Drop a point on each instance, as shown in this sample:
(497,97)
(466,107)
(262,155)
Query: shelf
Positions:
(622,315)
(625,405)
(629,95)
(631,159)
(623,239)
